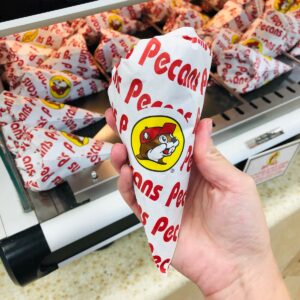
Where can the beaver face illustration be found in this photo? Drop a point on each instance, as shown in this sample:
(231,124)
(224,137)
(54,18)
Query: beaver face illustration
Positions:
(157,143)
(284,5)
(60,86)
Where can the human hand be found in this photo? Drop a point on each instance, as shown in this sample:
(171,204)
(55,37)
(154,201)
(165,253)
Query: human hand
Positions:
(224,242)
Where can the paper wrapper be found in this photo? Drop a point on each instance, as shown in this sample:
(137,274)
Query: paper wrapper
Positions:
(73,58)
(287,22)
(54,85)
(283,6)
(113,46)
(157,10)
(245,69)
(51,36)
(265,38)
(157,95)
(53,155)
(22,53)
(233,16)
(26,112)
(211,5)
(222,41)
(184,17)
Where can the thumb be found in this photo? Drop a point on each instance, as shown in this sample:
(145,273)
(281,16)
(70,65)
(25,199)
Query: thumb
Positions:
(212,165)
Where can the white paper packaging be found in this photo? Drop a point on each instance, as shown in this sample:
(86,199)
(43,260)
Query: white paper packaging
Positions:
(53,155)
(157,95)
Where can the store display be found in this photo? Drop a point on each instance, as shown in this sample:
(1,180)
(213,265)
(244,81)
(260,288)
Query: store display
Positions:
(157,95)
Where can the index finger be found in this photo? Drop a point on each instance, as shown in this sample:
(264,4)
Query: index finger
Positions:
(110,119)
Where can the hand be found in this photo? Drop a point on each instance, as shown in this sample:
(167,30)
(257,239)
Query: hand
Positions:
(223,245)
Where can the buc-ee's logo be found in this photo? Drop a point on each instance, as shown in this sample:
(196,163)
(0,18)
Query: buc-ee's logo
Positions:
(286,5)
(29,36)
(53,105)
(157,142)
(254,44)
(60,86)
(115,22)
(76,140)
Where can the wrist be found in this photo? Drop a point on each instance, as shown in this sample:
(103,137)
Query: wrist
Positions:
(255,280)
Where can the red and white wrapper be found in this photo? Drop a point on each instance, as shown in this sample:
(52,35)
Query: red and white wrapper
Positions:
(222,41)
(111,20)
(26,112)
(245,69)
(283,6)
(74,58)
(157,10)
(233,16)
(265,38)
(184,17)
(296,50)
(113,46)
(22,54)
(55,85)
(209,4)
(51,36)
(254,8)
(53,155)
(287,22)
(157,94)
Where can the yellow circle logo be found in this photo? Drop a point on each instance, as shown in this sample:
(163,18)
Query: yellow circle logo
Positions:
(76,140)
(52,104)
(30,36)
(235,38)
(253,44)
(284,5)
(115,22)
(60,86)
(157,142)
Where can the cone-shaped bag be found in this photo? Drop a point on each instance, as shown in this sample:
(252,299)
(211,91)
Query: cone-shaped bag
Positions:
(157,94)
(18,113)
(51,156)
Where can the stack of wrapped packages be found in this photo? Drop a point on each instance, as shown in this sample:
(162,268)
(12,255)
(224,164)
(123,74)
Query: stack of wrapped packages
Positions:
(43,69)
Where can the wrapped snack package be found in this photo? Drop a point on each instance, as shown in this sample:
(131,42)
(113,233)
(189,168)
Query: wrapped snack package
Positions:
(73,58)
(113,46)
(157,95)
(184,17)
(53,155)
(54,85)
(265,37)
(222,40)
(287,22)
(283,6)
(22,53)
(157,10)
(254,8)
(210,5)
(26,112)
(245,69)
(232,16)
(51,36)
(111,20)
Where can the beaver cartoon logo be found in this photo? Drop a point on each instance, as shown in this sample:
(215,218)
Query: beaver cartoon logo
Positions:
(157,142)
(254,44)
(76,140)
(286,5)
(60,86)
(115,22)
(272,160)
(29,36)
(53,105)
